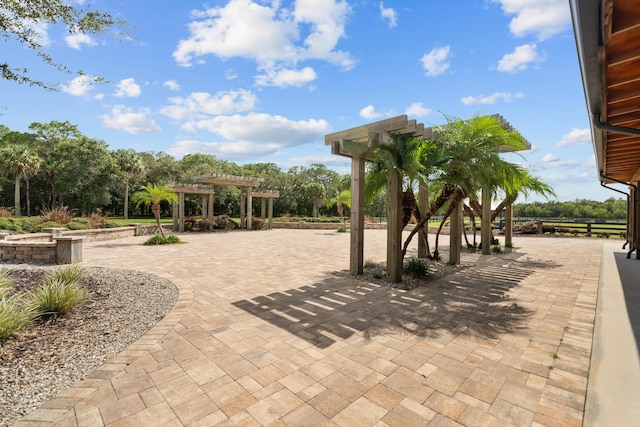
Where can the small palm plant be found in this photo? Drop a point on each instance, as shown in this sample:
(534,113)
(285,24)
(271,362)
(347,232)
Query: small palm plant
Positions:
(342,199)
(152,195)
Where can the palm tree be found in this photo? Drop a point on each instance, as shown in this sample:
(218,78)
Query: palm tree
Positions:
(130,165)
(21,161)
(342,199)
(414,158)
(473,149)
(152,195)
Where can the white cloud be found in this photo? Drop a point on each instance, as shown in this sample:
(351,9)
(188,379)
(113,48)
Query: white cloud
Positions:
(268,33)
(172,85)
(436,62)
(79,86)
(551,161)
(520,59)
(228,150)
(265,128)
(128,88)
(544,18)
(123,118)
(492,99)
(75,41)
(252,135)
(203,104)
(575,137)
(389,14)
(284,78)
(369,113)
(418,110)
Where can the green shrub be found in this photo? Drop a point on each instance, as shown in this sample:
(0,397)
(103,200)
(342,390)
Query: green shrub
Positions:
(496,249)
(68,274)
(27,223)
(416,267)
(79,224)
(508,245)
(342,230)
(56,297)
(159,240)
(10,224)
(47,224)
(15,315)
(369,263)
(6,283)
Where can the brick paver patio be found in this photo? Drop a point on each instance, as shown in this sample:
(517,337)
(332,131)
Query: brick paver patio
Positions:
(263,334)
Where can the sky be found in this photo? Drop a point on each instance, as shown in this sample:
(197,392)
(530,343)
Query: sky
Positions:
(264,80)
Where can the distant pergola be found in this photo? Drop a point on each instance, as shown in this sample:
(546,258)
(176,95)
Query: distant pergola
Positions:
(205,186)
(358,144)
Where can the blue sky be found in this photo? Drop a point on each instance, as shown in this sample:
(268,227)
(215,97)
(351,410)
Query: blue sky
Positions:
(264,80)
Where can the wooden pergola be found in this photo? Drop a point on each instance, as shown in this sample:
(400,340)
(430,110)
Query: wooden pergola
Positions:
(358,144)
(205,187)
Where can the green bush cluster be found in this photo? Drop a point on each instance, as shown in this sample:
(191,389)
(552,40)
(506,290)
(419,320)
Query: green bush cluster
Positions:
(163,240)
(54,219)
(416,267)
(58,293)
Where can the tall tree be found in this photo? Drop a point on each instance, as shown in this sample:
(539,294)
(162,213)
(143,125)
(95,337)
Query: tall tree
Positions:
(130,165)
(315,192)
(85,172)
(152,195)
(18,19)
(21,161)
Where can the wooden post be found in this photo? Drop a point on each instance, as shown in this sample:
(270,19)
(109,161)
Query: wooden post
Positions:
(423,205)
(181,212)
(486,234)
(508,225)
(356,260)
(263,207)
(394,226)
(242,207)
(249,207)
(174,212)
(270,211)
(210,210)
(455,234)
(205,205)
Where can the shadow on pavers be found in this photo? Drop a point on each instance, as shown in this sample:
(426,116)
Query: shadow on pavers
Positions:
(473,301)
(629,271)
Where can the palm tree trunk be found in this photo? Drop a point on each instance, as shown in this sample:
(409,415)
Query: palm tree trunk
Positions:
(472,218)
(447,191)
(16,196)
(452,205)
(498,210)
(126,199)
(409,207)
(155,208)
(26,180)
